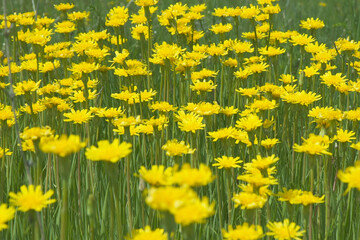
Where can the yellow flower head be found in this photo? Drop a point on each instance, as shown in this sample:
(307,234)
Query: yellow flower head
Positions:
(351,176)
(78,116)
(227,162)
(6,214)
(285,230)
(312,23)
(148,234)
(31,198)
(243,232)
(106,151)
(176,148)
(62,146)
(157,175)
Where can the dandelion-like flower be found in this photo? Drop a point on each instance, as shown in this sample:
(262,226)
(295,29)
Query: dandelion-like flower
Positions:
(31,198)
(6,214)
(110,152)
(285,230)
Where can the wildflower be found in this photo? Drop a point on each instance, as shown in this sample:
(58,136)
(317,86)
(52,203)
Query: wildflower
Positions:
(249,123)
(301,39)
(269,142)
(258,67)
(326,113)
(249,200)
(64,6)
(203,86)
(243,232)
(271,51)
(65,27)
(263,162)
(227,162)
(117,16)
(312,146)
(229,111)
(203,108)
(157,175)
(285,230)
(162,107)
(193,177)
(31,198)
(221,28)
(332,80)
(6,214)
(306,198)
(168,198)
(62,146)
(248,92)
(77,16)
(106,151)
(36,133)
(249,12)
(351,176)
(176,148)
(312,23)
(356,146)
(287,78)
(194,211)
(189,122)
(78,116)
(25,87)
(147,233)
(344,136)
(302,98)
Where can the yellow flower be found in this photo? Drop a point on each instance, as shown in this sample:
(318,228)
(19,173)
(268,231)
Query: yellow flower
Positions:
(189,122)
(249,123)
(305,198)
(157,175)
(6,214)
(285,230)
(167,198)
(332,80)
(78,116)
(221,28)
(203,108)
(146,3)
(62,146)
(301,39)
(176,148)
(263,162)
(65,27)
(36,133)
(117,16)
(227,162)
(344,136)
(248,92)
(269,142)
(106,151)
(162,107)
(24,87)
(249,200)
(271,51)
(148,234)
(193,177)
(31,198)
(64,6)
(203,86)
(312,23)
(243,232)
(194,211)
(76,16)
(351,176)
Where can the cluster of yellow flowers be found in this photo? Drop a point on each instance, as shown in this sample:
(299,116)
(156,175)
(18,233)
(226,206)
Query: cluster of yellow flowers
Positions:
(259,105)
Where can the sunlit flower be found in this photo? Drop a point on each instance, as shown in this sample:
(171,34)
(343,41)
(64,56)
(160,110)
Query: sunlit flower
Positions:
(285,230)
(106,151)
(31,198)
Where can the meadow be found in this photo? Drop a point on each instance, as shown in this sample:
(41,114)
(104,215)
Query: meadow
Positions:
(166,120)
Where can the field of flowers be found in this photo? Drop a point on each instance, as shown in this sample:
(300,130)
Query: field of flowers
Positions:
(150,120)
